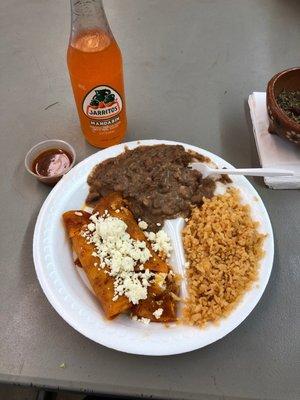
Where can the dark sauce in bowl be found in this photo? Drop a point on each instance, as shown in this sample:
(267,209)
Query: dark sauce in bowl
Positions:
(52,163)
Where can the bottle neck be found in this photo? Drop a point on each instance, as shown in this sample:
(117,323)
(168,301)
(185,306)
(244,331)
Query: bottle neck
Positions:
(88,16)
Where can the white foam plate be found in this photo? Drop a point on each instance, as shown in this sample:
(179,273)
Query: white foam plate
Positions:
(70,295)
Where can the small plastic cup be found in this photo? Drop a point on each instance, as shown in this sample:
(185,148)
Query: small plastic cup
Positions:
(39,148)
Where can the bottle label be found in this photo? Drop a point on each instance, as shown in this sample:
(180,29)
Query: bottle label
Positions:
(102,105)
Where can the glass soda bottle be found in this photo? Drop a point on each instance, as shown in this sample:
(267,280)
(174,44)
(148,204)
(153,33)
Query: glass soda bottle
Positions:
(96,73)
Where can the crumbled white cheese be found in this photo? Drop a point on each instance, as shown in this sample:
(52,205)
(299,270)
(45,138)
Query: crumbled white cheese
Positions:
(143,225)
(157,313)
(186,219)
(95,264)
(158,224)
(160,241)
(151,236)
(121,254)
(134,318)
(186,264)
(91,227)
(78,213)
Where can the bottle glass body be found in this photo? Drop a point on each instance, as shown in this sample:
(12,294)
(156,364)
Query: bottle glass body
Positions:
(96,73)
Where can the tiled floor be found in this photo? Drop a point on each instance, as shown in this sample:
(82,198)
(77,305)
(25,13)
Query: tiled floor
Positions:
(10,392)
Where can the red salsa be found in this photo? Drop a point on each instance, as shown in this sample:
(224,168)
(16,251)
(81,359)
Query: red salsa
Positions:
(52,162)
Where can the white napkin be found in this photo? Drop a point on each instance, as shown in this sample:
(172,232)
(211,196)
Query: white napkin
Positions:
(273,151)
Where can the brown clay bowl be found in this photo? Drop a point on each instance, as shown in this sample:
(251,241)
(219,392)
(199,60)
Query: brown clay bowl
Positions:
(279,122)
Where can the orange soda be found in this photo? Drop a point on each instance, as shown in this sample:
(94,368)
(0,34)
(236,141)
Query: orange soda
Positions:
(96,73)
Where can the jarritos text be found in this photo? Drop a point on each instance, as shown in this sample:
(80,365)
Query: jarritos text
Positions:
(101,104)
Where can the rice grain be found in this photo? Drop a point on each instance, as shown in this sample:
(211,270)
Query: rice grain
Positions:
(223,247)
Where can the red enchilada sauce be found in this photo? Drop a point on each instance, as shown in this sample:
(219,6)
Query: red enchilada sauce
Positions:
(52,162)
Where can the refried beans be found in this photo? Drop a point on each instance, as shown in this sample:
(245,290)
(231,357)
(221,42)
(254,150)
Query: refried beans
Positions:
(156,181)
